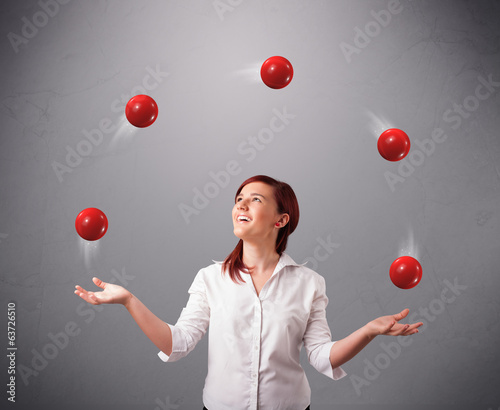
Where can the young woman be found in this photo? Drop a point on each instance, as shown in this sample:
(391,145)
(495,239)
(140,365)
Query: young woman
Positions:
(261,307)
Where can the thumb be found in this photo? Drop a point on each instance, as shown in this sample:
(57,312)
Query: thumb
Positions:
(402,314)
(99,282)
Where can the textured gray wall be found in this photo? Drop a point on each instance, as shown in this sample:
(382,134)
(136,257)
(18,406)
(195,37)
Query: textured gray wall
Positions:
(360,67)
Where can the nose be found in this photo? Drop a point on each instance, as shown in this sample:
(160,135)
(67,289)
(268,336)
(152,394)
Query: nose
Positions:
(242,204)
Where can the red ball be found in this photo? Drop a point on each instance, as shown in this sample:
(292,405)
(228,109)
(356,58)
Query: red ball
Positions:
(405,272)
(141,111)
(393,144)
(276,72)
(91,224)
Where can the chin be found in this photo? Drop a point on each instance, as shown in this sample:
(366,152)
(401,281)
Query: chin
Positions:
(238,234)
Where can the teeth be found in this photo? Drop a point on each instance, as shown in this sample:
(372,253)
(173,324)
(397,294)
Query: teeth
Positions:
(243,218)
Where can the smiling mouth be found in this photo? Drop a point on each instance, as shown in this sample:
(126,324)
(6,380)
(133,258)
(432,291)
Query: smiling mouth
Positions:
(242,218)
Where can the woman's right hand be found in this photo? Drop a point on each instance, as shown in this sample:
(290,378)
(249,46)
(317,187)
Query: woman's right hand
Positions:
(110,294)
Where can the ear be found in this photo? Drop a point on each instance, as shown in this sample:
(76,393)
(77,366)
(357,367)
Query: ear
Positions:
(283,220)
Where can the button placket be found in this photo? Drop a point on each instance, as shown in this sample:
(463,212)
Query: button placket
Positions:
(254,371)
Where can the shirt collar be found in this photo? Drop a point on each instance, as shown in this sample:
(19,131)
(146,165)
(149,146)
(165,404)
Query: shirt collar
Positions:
(285,260)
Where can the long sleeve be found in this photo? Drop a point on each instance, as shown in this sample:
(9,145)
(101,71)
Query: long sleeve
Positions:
(317,337)
(192,323)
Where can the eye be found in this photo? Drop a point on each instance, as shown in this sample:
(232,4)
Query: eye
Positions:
(258,199)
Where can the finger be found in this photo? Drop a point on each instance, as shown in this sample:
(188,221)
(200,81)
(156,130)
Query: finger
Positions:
(402,314)
(80,289)
(400,330)
(410,332)
(389,327)
(90,298)
(99,282)
(414,328)
(86,293)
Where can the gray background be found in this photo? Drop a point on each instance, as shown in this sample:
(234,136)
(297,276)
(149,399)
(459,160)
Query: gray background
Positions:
(74,73)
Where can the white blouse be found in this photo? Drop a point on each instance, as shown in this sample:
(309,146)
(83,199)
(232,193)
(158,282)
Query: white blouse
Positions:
(255,340)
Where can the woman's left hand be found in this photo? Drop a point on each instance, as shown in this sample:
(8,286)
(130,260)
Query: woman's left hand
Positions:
(388,325)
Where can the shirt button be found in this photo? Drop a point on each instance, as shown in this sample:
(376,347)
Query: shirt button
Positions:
(256,347)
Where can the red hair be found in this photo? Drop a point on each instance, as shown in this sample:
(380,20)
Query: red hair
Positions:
(287,204)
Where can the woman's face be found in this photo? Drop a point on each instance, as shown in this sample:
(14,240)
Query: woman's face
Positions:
(255,213)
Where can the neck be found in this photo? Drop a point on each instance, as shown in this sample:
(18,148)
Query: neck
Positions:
(261,258)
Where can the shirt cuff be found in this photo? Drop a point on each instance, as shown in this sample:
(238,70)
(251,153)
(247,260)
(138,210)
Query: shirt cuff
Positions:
(179,346)
(325,366)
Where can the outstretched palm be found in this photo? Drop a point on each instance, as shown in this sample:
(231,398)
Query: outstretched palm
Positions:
(110,294)
(388,325)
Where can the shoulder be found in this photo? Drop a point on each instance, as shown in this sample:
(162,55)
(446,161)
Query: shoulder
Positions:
(305,273)
(309,275)
(212,275)
(212,280)
(205,277)
(209,272)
